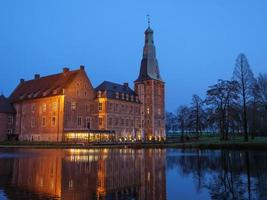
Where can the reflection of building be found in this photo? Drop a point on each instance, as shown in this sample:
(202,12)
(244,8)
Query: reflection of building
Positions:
(91,174)
(66,107)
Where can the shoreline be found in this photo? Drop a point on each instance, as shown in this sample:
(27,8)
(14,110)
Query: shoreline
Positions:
(251,145)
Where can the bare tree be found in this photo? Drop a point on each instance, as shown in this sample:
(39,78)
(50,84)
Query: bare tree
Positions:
(196,114)
(182,117)
(220,98)
(244,76)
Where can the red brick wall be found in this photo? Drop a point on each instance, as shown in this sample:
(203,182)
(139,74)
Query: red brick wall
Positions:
(6,126)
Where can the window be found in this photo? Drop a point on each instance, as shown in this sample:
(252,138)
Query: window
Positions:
(99,94)
(100,121)
(9,131)
(117,95)
(110,121)
(10,119)
(73,105)
(116,121)
(147,110)
(100,106)
(33,107)
(122,122)
(122,96)
(79,121)
(54,105)
(53,121)
(88,122)
(44,107)
(127,97)
(78,93)
(127,122)
(32,122)
(43,121)
(85,93)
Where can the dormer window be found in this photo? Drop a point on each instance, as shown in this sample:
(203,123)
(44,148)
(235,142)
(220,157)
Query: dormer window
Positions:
(122,96)
(127,97)
(99,94)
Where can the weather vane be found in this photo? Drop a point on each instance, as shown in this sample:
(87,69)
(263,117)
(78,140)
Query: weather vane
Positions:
(148,19)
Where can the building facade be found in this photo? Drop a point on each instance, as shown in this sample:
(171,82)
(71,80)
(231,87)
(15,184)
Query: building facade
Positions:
(151,90)
(66,107)
(7,119)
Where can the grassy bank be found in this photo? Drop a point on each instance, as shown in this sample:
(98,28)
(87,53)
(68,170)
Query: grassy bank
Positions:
(259,143)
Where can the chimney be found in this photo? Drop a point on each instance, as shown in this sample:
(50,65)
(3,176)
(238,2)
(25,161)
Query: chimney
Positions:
(126,85)
(37,76)
(65,69)
(81,67)
(21,80)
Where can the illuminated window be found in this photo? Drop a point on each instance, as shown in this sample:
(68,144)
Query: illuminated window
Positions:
(43,121)
(127,97)
(79,121)
(73,105)
(53,121)
(147,110)
(100,106)
(44,107)
(10,119)
(100,121)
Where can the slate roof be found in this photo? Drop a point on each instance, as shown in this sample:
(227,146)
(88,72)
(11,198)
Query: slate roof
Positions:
(43,86)
(109,89)
(6,106)
(149,69)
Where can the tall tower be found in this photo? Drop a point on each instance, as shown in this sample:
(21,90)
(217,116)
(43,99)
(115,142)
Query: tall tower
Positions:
(151,91)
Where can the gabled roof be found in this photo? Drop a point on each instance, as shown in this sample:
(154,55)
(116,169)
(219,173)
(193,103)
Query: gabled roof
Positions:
(43,86)
(5,105)
(111,89)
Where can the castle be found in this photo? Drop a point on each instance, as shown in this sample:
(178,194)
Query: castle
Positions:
(66,107)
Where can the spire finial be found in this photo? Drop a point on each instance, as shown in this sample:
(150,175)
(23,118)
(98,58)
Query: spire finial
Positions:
(148,20)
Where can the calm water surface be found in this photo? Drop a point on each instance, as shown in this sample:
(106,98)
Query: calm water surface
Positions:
(143,174)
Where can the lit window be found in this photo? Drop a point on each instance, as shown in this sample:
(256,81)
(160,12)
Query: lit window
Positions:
(44,107)
(79,121)
(127,97)
(73,105)
(159,111)
(100,106)
(100,121)
(43,121)
(53,122)
(147,110)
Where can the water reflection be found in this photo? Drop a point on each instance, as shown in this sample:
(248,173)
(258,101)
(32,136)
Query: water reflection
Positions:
(224,174)
(84,174)
(151,174)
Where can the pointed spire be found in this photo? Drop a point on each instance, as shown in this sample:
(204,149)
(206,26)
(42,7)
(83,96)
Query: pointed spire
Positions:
(148,20)
(149,64)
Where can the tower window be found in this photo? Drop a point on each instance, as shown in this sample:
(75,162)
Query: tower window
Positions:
(100,106)
(148,110)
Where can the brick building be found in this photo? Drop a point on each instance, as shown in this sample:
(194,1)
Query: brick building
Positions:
(7,119)
(66,107)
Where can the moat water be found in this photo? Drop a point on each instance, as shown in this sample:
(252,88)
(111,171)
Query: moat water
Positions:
(143,174)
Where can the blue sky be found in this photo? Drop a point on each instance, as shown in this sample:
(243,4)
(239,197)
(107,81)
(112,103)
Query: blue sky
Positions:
(197,41)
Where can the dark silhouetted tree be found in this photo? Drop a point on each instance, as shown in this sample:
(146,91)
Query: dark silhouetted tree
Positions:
(244,76)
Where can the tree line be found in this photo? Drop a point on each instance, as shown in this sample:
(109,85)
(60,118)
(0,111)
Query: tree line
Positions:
(231,107)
